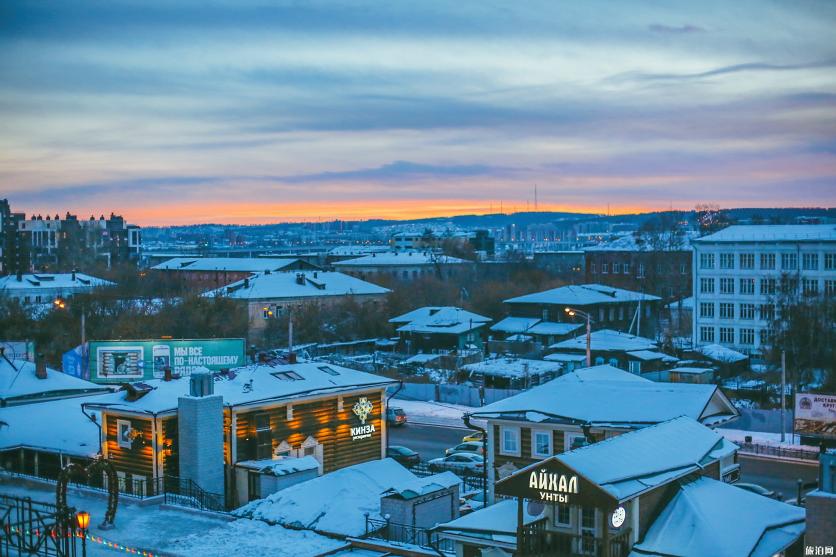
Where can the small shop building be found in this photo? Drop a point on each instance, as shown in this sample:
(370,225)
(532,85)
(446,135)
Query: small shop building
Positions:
(656,491)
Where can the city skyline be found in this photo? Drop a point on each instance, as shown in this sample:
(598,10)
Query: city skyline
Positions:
(235,113)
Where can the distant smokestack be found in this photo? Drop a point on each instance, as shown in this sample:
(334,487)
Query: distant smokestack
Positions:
(40,367)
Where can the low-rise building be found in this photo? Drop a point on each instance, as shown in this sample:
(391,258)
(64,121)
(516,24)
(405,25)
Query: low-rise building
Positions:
(512,373)
(608,307)
(432,328)
(214,272)
(404,266)
(622,350)
(45,288)
(25,382)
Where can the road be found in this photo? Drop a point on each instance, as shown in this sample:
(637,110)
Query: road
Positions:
(778,475)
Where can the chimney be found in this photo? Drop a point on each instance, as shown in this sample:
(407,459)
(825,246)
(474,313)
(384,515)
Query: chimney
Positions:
(300,278)
(201,384)
(40,367)
(167,373)
(73,275)
(315,274)
(291,357)
(246,283)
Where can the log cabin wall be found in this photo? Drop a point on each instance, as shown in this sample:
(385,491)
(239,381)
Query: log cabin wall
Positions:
(139,458)
(171,460)
(321,420)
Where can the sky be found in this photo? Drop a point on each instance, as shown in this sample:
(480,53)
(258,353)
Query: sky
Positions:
(252,112)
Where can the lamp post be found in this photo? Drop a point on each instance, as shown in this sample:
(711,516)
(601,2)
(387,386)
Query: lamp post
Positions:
(83,520)
(573,312)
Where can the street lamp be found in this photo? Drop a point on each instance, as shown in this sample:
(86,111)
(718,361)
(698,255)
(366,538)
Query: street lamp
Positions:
(572,312)
(83,520)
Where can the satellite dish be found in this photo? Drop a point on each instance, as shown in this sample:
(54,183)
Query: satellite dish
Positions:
(536,508)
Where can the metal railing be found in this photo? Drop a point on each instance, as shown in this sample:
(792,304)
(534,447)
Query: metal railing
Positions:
(32,528)
(538,541)
(186,493)
(778,451)
(471,481)
(404,533)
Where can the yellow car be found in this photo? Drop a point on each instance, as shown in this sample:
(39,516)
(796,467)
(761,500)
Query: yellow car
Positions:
(475,436)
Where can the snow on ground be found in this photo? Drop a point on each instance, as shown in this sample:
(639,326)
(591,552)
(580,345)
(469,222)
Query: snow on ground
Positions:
(432,413)
(253,538)
(764,438)
(335,502)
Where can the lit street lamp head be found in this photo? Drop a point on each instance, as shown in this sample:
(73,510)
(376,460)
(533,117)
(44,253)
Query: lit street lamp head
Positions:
(83,519)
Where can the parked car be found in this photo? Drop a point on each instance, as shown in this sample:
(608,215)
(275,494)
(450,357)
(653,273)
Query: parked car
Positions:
(475,436)
(760,490)
(461,462)
(475,447)
(403,455)
(395,416)
(472,501)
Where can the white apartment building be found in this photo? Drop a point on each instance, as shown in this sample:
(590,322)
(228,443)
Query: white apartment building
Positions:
(738,271)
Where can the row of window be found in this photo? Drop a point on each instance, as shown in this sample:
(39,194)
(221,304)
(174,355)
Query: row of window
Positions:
(624,268)
(768,286)
(745,336)
(768,261)
(541,442)
(610,314)
(745,312)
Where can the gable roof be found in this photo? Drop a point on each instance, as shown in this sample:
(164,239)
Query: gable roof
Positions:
(512,367)
(582,295)
(608,396)
(18,383)
(66,281)
(251,385)
(709,517)
(448,320)
(607,339)
(233,264)
(423,485)
(720,353)
(772,233)
(297,284)
(400,258)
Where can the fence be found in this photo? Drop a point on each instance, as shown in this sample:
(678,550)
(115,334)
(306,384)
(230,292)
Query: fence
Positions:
(470,481)
(32,528)
(783,452)
(464,395)
(405,533)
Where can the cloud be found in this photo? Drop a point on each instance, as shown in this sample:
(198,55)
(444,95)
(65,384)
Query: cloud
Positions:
(399,170)
(733,69)
(675,30)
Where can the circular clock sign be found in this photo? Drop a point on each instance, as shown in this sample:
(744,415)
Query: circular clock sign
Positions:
(618,516)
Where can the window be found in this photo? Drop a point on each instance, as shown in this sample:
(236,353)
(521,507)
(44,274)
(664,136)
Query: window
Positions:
(830,287)
(747,336)
(593,268)
(616,268)
(767,261)
(768,286)
(562,515)
(641,270)
(542,444)
(726,311)
(789,261)
(706,309)
(706,261)
(747,286)
(727,261)
(635,366)
(747,260)
(263,437)
(707,285)
(830,261)
(588,518)
(683,269)
(726,335)
(765,337)
(810,261)
(287,376)
(706,334)
(510,441)
(605,268)
(810,287)
(266,312)
(626,268)
(612,314)
(768,312)
(726,286)
(747,311)
(545,314)
(329,370)
(124,434)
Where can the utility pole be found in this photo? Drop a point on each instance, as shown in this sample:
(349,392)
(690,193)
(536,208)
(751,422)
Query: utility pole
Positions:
(783,393)
(588,342)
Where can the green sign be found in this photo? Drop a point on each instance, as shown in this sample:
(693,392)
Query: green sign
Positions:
(120,361)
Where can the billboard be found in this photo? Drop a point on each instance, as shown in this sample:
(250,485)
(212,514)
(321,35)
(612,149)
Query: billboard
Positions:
(815,415)
(119,361)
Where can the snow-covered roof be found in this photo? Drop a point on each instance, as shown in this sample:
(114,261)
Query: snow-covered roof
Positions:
(515,324)
(549,328)
(281,466)
(233,264)
(64,281)
(608,396)
(253,384)
(357,250)
(400,258)
(650,355)
(565,357)
(607,340)
(423,485)
(519,338)
(582,295)
(637,242)
(773,233)
(445,319)
(720,353)
(512,367)
(297,284)
(56,426)
(709,517)
(497,523)
(693,370)
(421,358)
(335,502)
(647,457)
(684,303)
(18,383)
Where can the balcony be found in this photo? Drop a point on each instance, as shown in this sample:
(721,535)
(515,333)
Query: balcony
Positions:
(537,541)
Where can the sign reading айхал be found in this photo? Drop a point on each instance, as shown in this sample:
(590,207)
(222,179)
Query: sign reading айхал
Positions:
(134,360)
